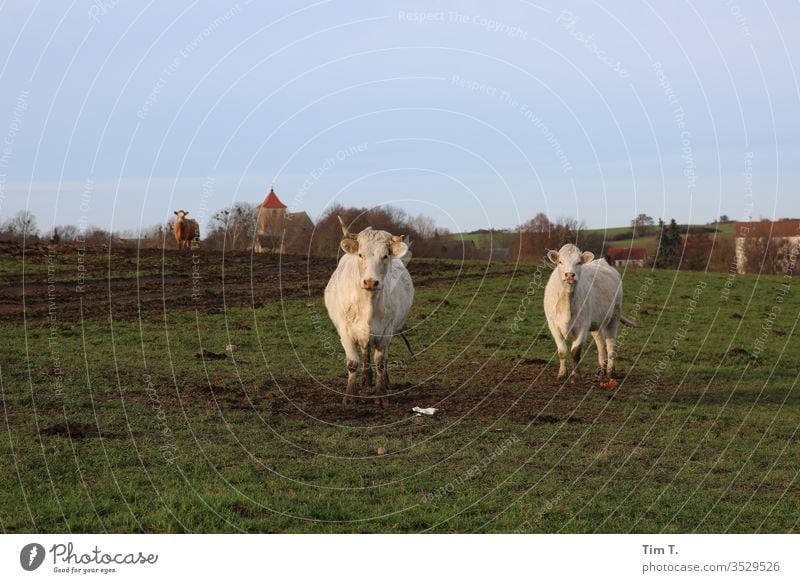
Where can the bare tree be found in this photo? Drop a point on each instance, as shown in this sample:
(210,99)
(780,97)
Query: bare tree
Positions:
(233,228)
(20,226)
(424,225)
(538,224)
(642,224)
(64,233)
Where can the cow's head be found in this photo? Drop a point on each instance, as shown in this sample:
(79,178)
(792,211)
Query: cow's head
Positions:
(568,261)
(375,251)
(181,214)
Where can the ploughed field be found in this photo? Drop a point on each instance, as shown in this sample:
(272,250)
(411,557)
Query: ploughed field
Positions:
(124,410)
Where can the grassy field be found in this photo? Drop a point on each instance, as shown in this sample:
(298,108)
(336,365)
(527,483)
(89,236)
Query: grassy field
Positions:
(124,412)
(649,241)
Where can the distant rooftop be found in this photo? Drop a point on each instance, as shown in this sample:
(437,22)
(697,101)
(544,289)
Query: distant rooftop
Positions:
(272,201)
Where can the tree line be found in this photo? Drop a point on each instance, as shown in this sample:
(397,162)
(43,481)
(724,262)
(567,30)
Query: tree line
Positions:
(234,228)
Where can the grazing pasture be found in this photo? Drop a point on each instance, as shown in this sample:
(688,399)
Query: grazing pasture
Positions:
(168,392)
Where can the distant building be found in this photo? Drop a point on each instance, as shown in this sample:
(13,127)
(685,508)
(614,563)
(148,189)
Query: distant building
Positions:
(280,231)
(625,256)
(781,231)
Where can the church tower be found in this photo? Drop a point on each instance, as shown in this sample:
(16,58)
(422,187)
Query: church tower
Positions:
(271,215)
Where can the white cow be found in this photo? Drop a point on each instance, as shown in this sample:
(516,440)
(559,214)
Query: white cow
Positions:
(584,296)
(368,299)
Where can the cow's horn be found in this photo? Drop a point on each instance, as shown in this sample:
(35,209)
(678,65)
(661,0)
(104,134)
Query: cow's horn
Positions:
(345,233)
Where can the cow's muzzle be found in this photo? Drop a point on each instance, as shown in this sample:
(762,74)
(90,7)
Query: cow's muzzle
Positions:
(570,277)
(370,284)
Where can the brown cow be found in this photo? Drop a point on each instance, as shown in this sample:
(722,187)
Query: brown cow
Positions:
(186,230)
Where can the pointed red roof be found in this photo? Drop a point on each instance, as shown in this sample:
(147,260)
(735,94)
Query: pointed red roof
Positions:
(272,201)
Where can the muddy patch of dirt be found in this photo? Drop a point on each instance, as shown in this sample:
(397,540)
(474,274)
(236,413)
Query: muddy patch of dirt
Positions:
(486,399)
(73,430)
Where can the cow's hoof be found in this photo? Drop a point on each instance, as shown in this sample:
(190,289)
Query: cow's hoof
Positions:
(601,372)
(574,378)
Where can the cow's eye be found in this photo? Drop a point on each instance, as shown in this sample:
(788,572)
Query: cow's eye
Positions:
(386,256)
(360,256)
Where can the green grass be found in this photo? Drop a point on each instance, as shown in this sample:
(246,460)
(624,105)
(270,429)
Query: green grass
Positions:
(650,241)
(706,443)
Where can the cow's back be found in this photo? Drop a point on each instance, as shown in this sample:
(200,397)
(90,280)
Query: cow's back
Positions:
(604,299)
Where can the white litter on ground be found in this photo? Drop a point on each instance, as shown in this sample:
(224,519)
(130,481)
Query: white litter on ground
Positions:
(421,411)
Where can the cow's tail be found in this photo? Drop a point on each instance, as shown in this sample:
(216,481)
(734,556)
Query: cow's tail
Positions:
(628,322)
(408,344)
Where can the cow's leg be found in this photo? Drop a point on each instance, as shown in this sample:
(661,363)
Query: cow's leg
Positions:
(577,350)
(561,344)
(381,354)
(352,366)
(611,347)
(366,368)
(602,356)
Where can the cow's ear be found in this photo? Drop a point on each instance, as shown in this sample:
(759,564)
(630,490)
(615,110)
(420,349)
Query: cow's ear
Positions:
(398,248)
(186,213)
(587,256)
(349,245)
(176,212)
(552,256)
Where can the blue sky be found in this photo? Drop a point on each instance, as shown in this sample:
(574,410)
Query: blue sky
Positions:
(478,114)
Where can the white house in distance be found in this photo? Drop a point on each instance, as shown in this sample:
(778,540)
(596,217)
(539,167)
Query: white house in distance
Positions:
(280,231)
(627,256)
(783,230)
